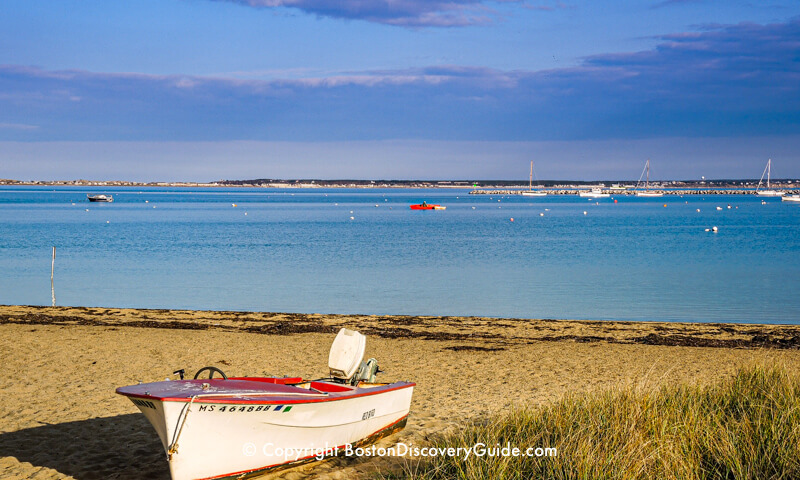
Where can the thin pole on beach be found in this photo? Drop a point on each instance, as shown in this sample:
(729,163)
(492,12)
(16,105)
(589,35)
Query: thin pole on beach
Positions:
(52,272)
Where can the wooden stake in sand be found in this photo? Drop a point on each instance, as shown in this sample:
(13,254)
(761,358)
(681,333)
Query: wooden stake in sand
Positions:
(52,271)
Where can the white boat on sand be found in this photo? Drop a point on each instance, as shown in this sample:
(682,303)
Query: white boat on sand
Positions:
(768,192)
(245,426)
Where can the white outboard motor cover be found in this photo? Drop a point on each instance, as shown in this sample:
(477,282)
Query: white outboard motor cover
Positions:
(346,354)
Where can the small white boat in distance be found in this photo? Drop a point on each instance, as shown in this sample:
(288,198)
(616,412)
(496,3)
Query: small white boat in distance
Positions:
(790,198)
(531,192)
(534,193)
(244,426)
(100,198)
(767,192)
(593,193)
(646,192)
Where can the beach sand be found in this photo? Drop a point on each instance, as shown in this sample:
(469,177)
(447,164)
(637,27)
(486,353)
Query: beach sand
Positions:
(60,417)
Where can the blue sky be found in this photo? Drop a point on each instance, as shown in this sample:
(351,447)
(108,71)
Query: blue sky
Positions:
(461,89)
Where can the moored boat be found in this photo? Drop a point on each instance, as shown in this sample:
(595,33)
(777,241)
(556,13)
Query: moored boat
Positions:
(768,192)
(100,198)
(426,206)
(593,193)
(791,198)
(530,192)
(646,192)
(237,427)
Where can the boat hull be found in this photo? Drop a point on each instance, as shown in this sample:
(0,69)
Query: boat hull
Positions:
(534,194)
(209,438)
(791,198)
(427,207)
(770,193)
(649,194)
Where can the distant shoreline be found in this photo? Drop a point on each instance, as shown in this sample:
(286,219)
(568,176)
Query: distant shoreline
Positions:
(497,187)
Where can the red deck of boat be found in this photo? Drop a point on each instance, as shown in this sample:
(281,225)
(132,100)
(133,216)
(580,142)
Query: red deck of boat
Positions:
(245,390)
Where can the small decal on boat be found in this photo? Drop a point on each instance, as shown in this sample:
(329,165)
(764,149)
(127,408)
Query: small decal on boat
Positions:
(143,403)
(242,408)
(368,414)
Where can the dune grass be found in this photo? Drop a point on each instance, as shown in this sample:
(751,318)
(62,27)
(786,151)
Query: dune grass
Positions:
(747,427)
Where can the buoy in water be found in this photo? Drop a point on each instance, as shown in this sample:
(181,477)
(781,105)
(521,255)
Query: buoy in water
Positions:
(714,229)
(541,214)
(512,219)
(584,212)
(233,204)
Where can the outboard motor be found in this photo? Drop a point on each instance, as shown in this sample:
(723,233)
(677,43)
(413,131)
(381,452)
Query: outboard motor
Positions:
(366,372)
(346,353)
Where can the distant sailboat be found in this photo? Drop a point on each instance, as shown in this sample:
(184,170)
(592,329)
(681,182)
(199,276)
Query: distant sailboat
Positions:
(531,192)
(767,192)
(646,192)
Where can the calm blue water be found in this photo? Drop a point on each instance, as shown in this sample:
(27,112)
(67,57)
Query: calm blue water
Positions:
(299,251)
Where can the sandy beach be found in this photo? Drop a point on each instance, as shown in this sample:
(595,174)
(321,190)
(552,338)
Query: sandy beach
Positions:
(62,419)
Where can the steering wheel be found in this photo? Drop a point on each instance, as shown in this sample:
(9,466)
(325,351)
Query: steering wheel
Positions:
(211,371)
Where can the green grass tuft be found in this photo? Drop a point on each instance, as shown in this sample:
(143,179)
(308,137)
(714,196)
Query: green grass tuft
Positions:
(745,428)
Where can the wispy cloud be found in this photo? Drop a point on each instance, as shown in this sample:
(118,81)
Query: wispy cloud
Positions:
(670,3)
(720,80)
(17,126)
(406,13)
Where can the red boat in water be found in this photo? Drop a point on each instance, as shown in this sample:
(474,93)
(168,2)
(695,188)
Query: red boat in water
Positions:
(426,206)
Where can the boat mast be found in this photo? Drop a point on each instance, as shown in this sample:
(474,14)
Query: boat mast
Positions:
(645,169)
(647,182)
(769,164)
(765,172)
(530,181)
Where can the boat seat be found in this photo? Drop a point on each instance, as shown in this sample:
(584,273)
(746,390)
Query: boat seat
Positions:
(346,354)
(330,387)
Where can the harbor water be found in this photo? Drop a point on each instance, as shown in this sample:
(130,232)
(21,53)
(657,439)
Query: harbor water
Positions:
(364,251)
